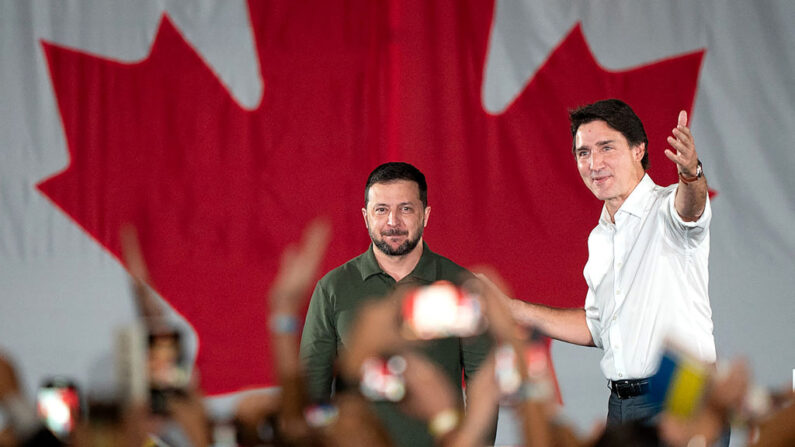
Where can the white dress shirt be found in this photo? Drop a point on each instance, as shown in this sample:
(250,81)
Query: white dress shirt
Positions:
(647,280)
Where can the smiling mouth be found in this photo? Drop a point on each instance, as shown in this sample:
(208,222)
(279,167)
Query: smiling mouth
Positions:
(600,180)
(395,235)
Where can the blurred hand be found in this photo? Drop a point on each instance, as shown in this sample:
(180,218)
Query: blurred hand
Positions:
(724,396)
(148,307)
(495,286)
(498,306)
(356,424)
(428,391)
(728,390)
(777,429)
(375,331)
(131,253)
(299,265)
(9,384)
(188,411)
(254,407)
(482,404)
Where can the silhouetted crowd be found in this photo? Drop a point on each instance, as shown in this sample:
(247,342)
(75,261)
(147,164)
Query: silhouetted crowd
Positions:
(380,364)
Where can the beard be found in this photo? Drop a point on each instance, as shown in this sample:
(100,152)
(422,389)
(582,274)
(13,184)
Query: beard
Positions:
(402,249)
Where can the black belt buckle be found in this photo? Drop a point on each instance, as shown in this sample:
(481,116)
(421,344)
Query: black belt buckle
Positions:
(625,389)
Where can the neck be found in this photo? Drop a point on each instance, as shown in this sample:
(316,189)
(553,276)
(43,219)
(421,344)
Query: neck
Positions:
(614,204)
(398,267)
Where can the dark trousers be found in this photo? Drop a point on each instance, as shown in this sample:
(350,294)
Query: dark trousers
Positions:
(636,408)
(642,408)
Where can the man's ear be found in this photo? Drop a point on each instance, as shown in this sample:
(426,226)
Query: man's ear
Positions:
(364,215)
(638,151)
(425,219)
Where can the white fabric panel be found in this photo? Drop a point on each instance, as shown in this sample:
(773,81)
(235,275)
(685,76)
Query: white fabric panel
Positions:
(743,124)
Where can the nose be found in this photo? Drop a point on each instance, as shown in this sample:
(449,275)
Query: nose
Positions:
(596,161)
(391,218)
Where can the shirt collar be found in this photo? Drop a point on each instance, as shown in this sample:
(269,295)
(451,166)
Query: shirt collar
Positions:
(636,203)
(424,270)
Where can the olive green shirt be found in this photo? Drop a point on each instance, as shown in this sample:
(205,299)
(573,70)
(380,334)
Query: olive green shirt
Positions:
(332,309)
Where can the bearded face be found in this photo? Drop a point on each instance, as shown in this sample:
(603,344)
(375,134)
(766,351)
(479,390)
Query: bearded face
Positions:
(395,217)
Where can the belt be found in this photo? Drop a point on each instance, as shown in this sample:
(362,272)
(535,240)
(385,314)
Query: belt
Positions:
(624,389)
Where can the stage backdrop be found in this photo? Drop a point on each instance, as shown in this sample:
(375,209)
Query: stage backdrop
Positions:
(219,129)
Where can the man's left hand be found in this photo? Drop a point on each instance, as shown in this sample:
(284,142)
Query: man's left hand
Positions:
(685,157)
(691,195)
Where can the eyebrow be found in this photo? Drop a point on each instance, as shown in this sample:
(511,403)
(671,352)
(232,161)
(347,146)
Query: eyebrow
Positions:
(598,144)
(386,204)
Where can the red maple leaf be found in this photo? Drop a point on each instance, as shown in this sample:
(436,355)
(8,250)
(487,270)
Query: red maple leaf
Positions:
(217,191)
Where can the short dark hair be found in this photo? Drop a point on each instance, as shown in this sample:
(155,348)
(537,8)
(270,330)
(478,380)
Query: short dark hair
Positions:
(397,170)
(619,116)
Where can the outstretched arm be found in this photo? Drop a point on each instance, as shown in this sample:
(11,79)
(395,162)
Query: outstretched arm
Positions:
(691,195)
(559,323)
(297,270)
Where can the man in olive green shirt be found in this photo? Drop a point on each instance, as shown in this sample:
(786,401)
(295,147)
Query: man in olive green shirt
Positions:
(395,215)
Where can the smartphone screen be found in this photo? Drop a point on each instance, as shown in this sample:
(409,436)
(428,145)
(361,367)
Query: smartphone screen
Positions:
(383,379)
(442,310)
(166,369)
(58,406)
(538,367)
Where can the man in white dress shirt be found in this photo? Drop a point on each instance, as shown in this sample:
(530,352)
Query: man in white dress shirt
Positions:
(647,268)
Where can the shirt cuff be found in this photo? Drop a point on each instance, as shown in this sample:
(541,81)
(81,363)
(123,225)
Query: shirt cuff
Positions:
(597,341)
(703,220)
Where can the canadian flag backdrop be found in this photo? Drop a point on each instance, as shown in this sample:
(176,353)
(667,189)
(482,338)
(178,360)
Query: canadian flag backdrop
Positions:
(219,129)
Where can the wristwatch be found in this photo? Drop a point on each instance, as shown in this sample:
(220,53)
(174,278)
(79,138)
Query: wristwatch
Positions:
(699,174)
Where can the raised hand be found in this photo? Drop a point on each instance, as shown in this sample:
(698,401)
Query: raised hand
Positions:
(148,307)
(691,196)
(299,265)
(685,156)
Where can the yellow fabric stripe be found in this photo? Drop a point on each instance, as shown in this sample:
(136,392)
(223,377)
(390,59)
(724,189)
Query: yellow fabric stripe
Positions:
(686,389)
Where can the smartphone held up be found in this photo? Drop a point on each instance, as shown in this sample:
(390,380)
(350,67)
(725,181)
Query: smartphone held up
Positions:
(442,309)
(58,406)
(152,364)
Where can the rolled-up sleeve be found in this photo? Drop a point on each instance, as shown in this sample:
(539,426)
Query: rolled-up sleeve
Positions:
(689,234)
(593,318)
